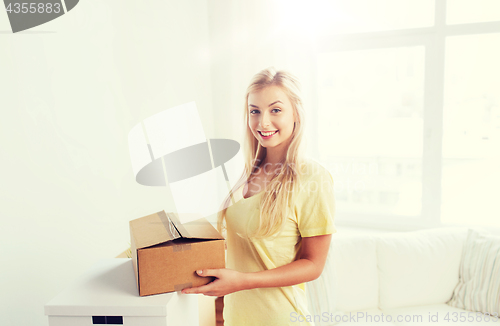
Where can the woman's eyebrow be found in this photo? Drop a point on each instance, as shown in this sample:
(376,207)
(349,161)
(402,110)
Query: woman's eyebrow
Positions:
(255,106)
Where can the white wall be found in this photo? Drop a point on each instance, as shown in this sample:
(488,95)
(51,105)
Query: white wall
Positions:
(70,91)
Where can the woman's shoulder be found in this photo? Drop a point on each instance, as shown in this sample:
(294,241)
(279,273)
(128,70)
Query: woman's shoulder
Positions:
(312,169)
(315,182)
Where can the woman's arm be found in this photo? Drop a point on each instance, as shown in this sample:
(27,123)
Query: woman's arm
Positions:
(307,268)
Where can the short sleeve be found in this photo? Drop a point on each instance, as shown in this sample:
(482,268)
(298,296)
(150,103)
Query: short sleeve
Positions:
(315,205)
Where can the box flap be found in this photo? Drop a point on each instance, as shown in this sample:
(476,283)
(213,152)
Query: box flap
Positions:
(197,229)
(153,229)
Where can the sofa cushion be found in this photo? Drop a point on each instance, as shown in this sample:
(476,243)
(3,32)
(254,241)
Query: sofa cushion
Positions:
(479,285)
(420,267)
(354,262)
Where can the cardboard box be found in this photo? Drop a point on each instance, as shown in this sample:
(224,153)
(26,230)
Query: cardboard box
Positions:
(166,253)
(106,293)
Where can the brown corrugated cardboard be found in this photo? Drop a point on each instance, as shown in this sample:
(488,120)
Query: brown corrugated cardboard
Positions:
(166,253)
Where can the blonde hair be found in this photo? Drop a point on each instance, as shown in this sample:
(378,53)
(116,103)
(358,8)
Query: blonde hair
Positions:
(281,190)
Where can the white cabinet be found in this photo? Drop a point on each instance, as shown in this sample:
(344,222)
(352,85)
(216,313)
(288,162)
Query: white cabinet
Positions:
(106,294)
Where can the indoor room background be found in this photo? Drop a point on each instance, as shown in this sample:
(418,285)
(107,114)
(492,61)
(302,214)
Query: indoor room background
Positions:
(402,102)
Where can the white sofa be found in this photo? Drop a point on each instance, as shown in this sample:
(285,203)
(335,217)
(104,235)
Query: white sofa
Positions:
(403,278)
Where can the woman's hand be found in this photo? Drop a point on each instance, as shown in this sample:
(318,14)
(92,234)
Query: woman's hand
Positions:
(227,281)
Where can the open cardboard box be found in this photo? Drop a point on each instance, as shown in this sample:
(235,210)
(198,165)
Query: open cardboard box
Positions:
(166,253)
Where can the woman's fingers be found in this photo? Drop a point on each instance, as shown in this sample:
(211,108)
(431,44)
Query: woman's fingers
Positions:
(209,272)
(200,289)
(213,288)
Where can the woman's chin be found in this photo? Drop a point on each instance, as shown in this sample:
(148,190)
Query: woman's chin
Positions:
(266,144)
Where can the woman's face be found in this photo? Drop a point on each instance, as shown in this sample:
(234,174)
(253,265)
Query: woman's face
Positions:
(271,117)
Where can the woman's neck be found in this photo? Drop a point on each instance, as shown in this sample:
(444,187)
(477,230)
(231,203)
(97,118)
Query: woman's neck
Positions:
(272,161)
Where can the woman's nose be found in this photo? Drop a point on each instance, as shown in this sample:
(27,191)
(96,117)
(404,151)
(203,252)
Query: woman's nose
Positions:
(264,121)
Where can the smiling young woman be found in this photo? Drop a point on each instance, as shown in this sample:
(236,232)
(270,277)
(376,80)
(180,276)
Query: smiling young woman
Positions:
(279,229)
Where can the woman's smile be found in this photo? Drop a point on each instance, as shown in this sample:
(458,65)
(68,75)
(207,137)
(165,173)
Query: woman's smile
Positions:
(267,135)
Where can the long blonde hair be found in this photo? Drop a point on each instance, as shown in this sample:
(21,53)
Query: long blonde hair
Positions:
(281,190)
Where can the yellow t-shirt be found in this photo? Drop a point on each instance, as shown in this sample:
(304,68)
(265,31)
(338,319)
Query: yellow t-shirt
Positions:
(313,215)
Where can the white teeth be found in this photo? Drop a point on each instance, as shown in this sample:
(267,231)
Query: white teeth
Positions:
(267,133)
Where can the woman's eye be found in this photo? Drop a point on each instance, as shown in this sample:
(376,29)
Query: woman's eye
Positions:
(254,111)
(277,110)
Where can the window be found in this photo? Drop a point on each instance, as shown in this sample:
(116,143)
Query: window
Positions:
(361,16)
(371,104)
(471,130)
(472,11)
(409,112)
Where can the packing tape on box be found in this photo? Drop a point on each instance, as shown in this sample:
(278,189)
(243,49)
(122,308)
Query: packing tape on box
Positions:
(180,287)
(169,226)
(174,219)
(182,247)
